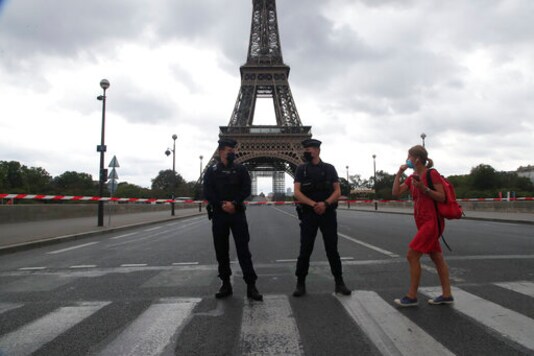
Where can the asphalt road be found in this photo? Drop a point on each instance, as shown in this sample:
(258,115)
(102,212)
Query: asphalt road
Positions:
(149,290)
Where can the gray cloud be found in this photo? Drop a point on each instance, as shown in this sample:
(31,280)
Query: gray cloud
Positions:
(459,71)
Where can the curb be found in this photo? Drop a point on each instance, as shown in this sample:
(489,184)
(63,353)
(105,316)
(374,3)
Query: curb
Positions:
(58,239)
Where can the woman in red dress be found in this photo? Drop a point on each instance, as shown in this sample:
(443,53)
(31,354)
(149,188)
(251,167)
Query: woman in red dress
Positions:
(426,240)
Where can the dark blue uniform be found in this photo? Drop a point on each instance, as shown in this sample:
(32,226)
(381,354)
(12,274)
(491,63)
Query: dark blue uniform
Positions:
(316,182)
(230,183)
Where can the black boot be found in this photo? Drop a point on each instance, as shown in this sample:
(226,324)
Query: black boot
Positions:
(341,288)
(301,289)
(225,290)
(252,293)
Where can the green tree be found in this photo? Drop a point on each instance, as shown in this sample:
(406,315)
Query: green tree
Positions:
(513,182)
(462,185)
(127,190)
(484,177)
(74,183)
(187,189)
(345,186)
(37,180)
(166,183)
(17,178)
(384,182)
(11,177)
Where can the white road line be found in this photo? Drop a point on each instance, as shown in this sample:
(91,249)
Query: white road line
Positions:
(134,265)
(523,287)
(184,263)
(506,322)
(285,212)
(8,306)
(83,266)
(32,268)
(268,328)
(31,337)
(377,249)
(123,235)
(71,248)
(390,331)
(288,260)
(155,330)
(152,229)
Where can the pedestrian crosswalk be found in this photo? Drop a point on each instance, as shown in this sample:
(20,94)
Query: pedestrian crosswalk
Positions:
(152,332)
(504,321)
(390,331)
(29,338)
(271,327)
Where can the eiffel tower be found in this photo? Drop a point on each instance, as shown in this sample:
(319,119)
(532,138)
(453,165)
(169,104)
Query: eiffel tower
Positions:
(266,150)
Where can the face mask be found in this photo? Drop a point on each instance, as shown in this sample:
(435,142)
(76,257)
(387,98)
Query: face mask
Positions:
(409,163)
(308,156)
(230,157)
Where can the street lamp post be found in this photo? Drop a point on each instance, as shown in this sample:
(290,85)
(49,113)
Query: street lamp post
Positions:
(104,84)
(168,152)
(348,195)
(423,136)
(374,180)
(200,176)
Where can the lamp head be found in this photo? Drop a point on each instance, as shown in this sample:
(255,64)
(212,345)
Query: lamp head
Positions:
(168,152)
(174,137)
(104,84)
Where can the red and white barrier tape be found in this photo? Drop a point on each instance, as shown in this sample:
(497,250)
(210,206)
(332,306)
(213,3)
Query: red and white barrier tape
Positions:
(191,201)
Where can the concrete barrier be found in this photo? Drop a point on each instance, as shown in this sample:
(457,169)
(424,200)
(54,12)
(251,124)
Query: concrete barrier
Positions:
(36,212)
(494,206)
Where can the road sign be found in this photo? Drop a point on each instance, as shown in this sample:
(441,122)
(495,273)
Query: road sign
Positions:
(114,163)
(113,174)
(112,186)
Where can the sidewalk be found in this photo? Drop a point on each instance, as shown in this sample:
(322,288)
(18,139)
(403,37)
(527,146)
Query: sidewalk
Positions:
(19,236)
(527,218)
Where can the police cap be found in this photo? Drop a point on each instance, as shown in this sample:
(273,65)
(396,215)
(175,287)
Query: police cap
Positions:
(227,142)
(311,142)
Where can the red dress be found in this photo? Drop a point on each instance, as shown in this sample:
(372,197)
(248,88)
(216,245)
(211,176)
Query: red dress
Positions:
(426,240)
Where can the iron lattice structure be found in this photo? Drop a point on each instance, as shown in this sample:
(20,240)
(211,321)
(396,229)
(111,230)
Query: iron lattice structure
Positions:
(276,149)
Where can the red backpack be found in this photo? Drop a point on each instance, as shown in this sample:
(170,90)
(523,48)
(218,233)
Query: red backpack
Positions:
(450,209)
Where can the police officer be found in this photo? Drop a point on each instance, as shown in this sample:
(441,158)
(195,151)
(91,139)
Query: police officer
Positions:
(317,191)
(226,186)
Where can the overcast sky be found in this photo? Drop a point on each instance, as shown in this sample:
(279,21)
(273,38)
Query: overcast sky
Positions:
(369,76)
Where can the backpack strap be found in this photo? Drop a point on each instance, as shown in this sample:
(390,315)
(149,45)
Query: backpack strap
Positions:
(431,186)
(429,179)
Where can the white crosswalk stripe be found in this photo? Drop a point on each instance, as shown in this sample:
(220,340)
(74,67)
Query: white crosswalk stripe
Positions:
(524,287)
(269,328)
(30,338)
(388,329)
(508,323)
(154,330)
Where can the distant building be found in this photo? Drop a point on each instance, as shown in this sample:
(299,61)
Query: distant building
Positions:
(527,171)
